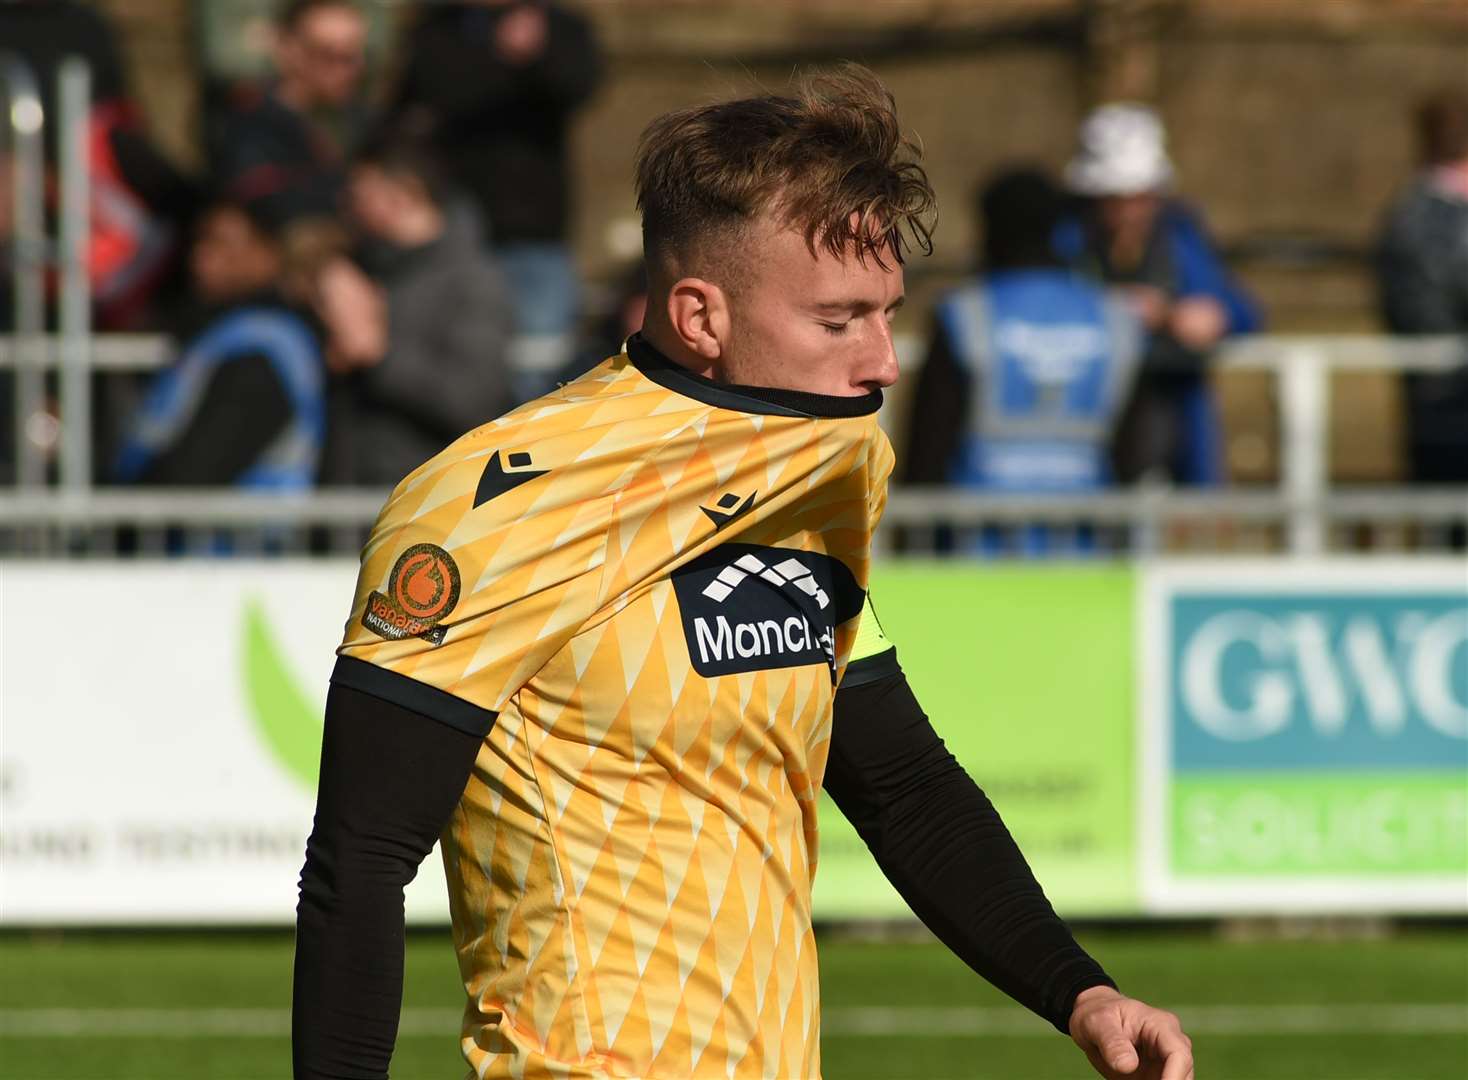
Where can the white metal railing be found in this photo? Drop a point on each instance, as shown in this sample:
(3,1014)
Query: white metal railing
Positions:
(1141,522)
(1302,367)
(1301,364)
(906,506)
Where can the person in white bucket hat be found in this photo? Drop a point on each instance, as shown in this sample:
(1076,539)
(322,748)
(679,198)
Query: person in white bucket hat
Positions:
(1132,234)
(1123,151)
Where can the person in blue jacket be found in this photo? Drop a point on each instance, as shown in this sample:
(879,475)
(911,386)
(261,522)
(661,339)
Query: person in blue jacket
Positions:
(1028,367)
(1132,234)
(244,404)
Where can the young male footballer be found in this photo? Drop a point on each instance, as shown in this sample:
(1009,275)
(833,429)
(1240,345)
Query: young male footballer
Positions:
(609,648)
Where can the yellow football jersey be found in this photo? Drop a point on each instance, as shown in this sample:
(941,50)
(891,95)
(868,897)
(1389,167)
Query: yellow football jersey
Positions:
(643,589)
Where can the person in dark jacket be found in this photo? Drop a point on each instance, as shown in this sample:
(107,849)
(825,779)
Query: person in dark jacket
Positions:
(449,319)
(495,84)
(290,137)
(1422,276)
(1132,235)
(244,405)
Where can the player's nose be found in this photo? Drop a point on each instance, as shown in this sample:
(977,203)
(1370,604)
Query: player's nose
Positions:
(879,367)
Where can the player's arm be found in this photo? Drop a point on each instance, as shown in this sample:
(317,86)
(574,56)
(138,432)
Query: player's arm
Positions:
(390,778)
(941,843)
(442,635)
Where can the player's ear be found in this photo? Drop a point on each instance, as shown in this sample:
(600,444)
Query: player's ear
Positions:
(699,314)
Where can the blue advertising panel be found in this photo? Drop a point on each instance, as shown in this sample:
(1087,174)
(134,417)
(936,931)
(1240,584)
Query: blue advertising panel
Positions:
(1319,680)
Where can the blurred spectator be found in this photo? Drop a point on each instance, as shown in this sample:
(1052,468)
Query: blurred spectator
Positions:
(1131,234)
(495,83)
(292,135)
(140,203)
(449,322)
(1422,274)
(244,404)
(1027,370)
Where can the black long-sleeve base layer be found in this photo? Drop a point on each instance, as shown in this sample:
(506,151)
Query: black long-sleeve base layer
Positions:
(390,778)
(944,847)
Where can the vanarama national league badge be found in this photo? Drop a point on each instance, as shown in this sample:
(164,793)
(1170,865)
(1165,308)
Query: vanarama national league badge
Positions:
(421,591)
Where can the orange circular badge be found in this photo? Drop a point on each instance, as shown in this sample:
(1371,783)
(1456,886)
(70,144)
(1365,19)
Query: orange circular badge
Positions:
(424,583)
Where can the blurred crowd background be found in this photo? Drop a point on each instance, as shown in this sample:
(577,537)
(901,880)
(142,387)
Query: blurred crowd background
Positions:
(368,227)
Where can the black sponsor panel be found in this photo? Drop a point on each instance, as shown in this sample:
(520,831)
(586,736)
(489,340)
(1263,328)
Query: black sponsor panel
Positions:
(751,608)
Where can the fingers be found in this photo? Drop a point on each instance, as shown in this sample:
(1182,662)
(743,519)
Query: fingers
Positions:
(1174,1047)
(1103,1034)
(1134,1040)
(1178,1065)
(1098,1063)
(1120,1055)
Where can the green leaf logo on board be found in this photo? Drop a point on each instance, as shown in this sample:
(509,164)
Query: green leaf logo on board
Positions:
(287,720)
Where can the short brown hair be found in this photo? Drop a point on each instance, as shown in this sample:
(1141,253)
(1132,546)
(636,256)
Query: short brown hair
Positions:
(827,159)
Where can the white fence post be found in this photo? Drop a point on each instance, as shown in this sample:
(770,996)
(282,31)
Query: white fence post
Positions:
(74,103)
(1304,406)
(23,122)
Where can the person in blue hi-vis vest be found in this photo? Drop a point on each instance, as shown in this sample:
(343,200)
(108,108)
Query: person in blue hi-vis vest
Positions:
(1028,367)
(244,404)
(1131,234)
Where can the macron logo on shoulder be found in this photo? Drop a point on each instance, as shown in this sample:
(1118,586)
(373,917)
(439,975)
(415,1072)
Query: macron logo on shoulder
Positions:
(789,572)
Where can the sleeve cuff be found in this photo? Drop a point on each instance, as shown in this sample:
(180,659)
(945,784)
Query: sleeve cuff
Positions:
(411,694)
(870,669)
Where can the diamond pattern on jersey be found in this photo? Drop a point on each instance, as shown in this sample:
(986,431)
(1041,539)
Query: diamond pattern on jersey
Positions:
(630,863)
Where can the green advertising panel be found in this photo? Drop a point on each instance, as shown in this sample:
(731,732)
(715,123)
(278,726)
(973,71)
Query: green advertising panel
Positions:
(1367,822)
(1027,673)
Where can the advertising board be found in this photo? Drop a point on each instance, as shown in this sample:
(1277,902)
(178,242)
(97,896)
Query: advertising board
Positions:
(1305,736)
(159,760)
(161,734)
(1026,672)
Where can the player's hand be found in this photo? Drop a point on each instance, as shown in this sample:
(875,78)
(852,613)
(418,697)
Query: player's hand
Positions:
(1125,1039)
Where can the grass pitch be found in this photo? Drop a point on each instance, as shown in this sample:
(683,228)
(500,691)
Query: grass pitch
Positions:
(216,1007)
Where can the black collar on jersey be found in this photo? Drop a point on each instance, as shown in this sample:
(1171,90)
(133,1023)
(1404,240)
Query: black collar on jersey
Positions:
(752,399)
